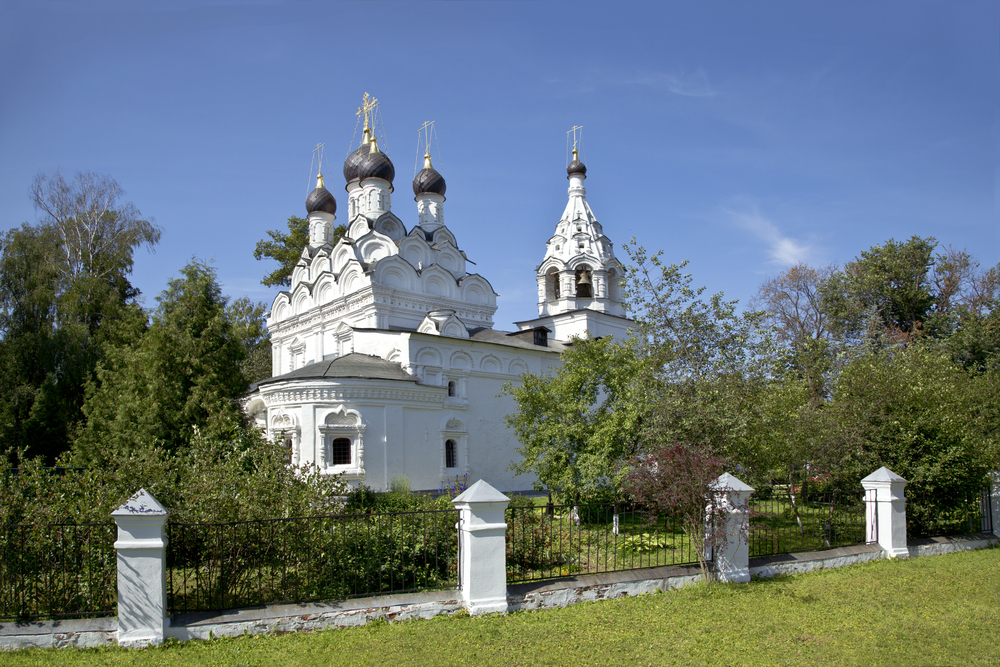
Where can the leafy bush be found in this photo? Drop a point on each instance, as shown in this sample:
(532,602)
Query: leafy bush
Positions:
(529,536)
(925,418)
(216,480)
(315,558)
(363,500)
(641,543)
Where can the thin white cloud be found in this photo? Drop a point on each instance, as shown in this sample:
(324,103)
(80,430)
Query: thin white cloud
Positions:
(782,249)
(687,84)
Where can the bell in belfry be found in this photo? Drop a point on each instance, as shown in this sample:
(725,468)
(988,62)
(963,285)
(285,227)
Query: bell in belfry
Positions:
(584,285)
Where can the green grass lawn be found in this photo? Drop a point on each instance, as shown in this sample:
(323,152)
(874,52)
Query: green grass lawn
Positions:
(941,610)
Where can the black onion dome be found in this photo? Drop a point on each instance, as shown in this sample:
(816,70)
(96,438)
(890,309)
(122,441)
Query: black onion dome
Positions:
(321,200)
(429,180)
(354,160)
(376,165)
(576,167)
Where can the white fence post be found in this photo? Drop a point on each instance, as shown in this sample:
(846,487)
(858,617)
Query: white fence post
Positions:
(482,548)
(731,502)
(142,572)
(994,502)
(884,489)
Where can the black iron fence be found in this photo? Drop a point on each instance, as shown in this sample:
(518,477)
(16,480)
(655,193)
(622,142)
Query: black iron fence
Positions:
(57,571)
(219,566)
(545,542)
(938,518)
(784,520)
(986,510)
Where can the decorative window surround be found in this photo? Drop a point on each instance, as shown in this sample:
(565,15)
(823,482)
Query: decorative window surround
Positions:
(455,431)
(345,424)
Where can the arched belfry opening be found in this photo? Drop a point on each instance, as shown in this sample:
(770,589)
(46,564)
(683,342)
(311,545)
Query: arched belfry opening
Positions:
(614,286)
(584,281)
(552,290)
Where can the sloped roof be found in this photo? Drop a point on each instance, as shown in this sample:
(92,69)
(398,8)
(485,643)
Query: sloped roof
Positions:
(511,340)
(353,365)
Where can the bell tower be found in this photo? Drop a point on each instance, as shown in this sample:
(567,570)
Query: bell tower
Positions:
(579,278)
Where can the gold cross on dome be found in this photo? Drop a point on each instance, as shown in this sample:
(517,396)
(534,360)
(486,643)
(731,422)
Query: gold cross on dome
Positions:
(574,130)
(426,128)
(368,105)
(318,152)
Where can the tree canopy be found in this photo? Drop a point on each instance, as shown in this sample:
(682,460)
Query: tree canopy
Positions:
(577,422)
(891,361)
(65,296)
(183,376)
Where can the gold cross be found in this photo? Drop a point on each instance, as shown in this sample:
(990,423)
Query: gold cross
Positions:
(573,130)
(368,104)
(425,128)
(318,152)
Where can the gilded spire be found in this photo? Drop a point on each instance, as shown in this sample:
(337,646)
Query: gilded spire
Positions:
(374,148)
(319,181)
(427,160)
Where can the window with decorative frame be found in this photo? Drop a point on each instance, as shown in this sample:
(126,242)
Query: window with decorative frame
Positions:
(342,448)
(454,449)
(285,433)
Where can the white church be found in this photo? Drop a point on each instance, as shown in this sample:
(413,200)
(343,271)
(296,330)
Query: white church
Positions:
(385,359)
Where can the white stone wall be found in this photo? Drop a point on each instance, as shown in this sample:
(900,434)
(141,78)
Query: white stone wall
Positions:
(406,424)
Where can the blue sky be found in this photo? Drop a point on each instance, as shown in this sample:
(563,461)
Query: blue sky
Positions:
(741,136)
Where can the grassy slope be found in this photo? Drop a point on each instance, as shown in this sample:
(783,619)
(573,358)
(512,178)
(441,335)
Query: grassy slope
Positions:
(942,610)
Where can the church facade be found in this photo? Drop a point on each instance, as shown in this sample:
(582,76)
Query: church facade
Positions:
(385,359)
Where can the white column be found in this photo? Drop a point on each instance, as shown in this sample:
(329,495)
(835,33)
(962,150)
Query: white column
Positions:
(730,504)
(482,548)
(142,571)
(995,501)
(884,488)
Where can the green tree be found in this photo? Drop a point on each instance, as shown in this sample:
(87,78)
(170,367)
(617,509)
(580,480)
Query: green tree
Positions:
(706,367)
(885,294)
(181,378)
(64,297)
(250,329)
(792,305)
(579,424)
(967,308)
(286,249)
(697,372)
(97,230)
(915,411)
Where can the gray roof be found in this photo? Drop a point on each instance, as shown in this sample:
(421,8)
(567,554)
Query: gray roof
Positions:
(353,365)
(510,339)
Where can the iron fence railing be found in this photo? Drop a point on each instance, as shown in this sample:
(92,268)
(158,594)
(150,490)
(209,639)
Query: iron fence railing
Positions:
(57,571)
(937,519)
(565,540)
(218,566)
(784,520)
(986,510)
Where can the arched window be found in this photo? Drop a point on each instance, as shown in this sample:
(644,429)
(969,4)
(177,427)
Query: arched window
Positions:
(614,286)
(288,450)
(552,285)
(450,454)
(452,389)
(340,452)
